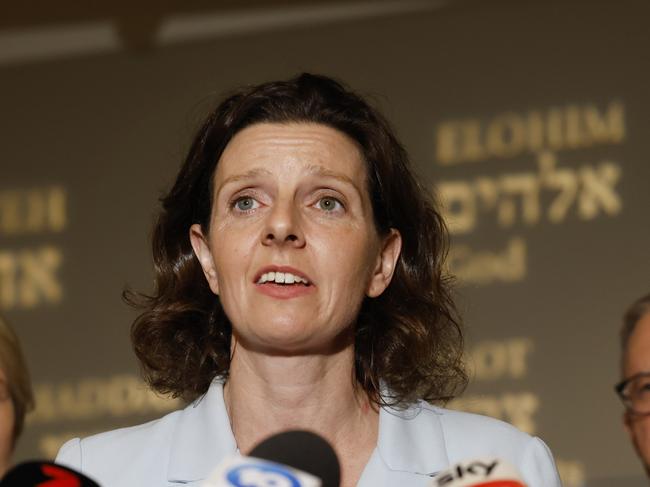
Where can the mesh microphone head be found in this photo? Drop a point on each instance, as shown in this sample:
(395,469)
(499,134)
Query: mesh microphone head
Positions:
(30,474)
(304,451)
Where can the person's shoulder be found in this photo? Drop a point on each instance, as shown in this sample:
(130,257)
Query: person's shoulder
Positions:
(182,446)
(469,435)
(151,434)
(464,424)
(143,444)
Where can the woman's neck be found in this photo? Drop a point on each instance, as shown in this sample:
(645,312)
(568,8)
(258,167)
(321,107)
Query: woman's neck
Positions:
(268,394)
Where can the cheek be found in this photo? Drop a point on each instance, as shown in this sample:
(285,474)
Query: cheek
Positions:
(641,434)
(349,262)
(231,256)
(642,431)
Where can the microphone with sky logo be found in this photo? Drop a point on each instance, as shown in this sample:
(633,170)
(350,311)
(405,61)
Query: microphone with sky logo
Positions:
(480,472)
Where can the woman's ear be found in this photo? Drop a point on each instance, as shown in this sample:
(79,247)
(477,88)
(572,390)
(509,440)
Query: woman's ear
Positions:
(385,266)
(202,251)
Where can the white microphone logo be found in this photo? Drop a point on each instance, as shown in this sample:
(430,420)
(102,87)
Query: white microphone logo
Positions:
(251,475)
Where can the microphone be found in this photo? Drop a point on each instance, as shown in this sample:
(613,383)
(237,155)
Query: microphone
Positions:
(481,472)
(45,474)
(288,459)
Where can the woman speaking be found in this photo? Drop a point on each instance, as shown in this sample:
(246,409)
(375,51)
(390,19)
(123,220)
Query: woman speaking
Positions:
(299,285)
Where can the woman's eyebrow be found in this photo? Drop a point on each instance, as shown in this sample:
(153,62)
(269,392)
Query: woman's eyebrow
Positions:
(253,173)
(318,170)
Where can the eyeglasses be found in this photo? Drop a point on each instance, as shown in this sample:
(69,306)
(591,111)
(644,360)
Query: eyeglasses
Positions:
(635,393)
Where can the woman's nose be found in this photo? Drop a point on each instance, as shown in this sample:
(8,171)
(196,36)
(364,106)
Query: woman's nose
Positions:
(283,226)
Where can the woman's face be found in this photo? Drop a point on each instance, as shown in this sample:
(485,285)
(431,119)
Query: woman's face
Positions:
(6,424)
(292,248)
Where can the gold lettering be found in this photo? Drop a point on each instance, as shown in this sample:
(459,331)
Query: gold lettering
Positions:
(518,196)
(573,134)
(35,213)
(10,221)
(554,129)
(57,214)
(609,127)
(458,141)
(518,350)
(491,360)
(472,147)
(446,143)
(116,396)
(484,267)
(520,410)
(29,278)
(124,394)
(527,186)
(598,191)
(564,181)
(32,211)
(459,205)
(487,191)
(7,280)
(506,135)
(535,130)
(510,134)
(38,281)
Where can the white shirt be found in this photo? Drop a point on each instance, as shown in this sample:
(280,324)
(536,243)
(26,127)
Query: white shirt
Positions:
(184,447)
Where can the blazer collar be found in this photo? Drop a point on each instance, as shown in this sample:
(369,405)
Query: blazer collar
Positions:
(202,437)
(412,440)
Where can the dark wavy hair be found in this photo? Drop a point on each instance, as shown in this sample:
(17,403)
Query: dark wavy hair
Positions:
(407,341)
(19,386)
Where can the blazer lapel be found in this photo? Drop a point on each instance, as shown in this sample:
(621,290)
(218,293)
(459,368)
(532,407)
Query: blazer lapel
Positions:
(201,439)
(411,440)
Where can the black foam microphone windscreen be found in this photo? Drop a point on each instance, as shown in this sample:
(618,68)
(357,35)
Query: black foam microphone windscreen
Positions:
(304,451)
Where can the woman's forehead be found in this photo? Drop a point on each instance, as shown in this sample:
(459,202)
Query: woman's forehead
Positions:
(292,147)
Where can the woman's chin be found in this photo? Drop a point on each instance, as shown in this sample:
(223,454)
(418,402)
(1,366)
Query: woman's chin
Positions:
(292,339)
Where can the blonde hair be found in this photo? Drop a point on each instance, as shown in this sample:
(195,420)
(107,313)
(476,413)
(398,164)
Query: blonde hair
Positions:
(12,363)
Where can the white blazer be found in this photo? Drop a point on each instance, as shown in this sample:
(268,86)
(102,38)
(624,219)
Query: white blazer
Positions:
(184,447)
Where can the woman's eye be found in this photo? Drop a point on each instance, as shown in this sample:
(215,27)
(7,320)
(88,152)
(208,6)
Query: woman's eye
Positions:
(328,203)
(245,203)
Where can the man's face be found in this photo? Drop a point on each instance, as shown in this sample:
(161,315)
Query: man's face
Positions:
(637,359)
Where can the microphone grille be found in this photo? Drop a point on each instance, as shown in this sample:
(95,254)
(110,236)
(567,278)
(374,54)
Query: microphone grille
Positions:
(304,451)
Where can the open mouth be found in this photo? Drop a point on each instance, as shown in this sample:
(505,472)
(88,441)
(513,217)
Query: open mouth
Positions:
(283,278)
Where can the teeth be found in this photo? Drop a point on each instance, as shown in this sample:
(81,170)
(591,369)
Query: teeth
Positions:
(281,278)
